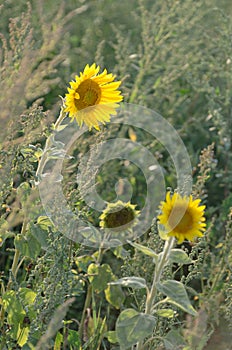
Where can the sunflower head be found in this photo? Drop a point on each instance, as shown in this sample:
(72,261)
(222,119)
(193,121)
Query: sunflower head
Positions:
(119,216)
(92,97)
(181,217)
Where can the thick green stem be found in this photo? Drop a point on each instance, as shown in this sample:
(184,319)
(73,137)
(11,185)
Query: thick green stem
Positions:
(15,262)
(43,159)
(157,275)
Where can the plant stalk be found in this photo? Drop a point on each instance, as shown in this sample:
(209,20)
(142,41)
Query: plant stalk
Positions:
(157,275)
(43,159)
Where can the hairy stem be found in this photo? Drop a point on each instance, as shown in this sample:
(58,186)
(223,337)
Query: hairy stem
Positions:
(157,275)
(15,264)
(43,159)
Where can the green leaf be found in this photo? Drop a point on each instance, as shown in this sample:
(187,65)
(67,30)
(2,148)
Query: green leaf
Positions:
(114,295)
(74,339)
(132,327)
(179,256)
(174,340)
(27,295)
(22,335)
(120,252)
(40,234)
(4,231)
(177,295)
(24,191)
(83,262)
(15,312)
(44,223)
(167,313)
(132,282)
(28,245)
(58,341)
(144,250)
(99,276)
(112,337)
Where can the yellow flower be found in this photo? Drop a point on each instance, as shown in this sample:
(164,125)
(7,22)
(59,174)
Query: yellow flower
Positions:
(119,216)
(96,91)
(181,217)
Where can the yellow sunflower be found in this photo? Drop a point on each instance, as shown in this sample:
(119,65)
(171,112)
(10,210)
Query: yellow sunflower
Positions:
(181,217)
(119,216)
(92,97)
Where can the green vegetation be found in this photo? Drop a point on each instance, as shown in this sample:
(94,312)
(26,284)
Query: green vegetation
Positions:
(173,57)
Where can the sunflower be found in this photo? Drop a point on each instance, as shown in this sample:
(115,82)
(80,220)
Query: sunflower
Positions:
(181,217)
(92,97)
(119,216)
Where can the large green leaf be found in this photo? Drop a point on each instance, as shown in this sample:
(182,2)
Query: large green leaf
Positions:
(173,340)
(28,245)
(99,276)
(132,326)
(114,295)
(18,307)
(179,256)
(15,311)
(177,295)
(40,234)
(132,282)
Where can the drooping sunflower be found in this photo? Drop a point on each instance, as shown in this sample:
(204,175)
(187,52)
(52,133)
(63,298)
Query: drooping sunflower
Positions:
(92,97)
(182,217)
(119,216)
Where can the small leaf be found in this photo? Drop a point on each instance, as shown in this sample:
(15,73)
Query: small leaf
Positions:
(177,295)
(24,191)
(120,252)
(167,313)
(132,282)
(27,295)
(162,232)
(112,337)
(99,276)
(114,295)
(58,341)
(144,250)
(22,335)
(132,327)
(4,231)
(179,256)
(44,222)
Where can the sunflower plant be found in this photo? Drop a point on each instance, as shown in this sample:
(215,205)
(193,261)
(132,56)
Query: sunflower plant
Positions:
(182,218)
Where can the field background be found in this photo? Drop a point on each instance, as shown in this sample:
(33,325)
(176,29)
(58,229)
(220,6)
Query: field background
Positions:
(174,57)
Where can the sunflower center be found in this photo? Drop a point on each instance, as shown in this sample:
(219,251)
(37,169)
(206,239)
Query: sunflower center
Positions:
(179,222)
(89,94)
(119,218)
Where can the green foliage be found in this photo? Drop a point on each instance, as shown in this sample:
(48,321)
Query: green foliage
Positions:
(173,57)
(132,327)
